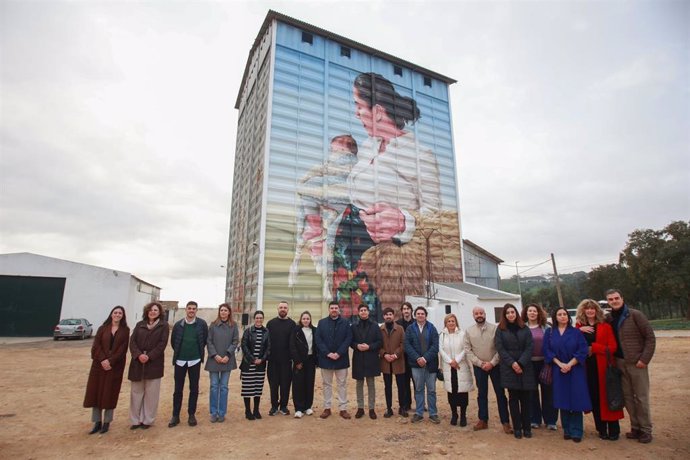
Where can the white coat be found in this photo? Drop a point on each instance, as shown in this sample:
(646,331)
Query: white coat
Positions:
(451,346)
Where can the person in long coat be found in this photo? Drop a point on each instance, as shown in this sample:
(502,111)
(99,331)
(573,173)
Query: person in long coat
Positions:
(457,377)
(566,349)
(222,341)
(147,366)
(599,336)
(392,357)
(108,357)
(256,348)
(366,342)
(303,352)
(513,342)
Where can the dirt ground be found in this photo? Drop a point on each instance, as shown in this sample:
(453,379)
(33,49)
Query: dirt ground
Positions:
(41,416)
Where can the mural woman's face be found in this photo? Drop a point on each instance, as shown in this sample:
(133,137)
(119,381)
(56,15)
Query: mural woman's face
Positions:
(364,113)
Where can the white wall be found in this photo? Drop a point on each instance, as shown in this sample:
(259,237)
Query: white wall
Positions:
(90,291)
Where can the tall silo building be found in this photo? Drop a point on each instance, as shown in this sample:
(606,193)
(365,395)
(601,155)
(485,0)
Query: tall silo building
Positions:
(344,185)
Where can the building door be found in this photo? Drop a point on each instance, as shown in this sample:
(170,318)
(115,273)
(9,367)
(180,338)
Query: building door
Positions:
(30,305)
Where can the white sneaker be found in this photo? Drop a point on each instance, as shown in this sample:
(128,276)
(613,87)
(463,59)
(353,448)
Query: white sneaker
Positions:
(309,412)
(298,414)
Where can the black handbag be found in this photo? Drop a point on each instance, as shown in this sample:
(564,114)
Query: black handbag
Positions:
(546,374)
(614,385)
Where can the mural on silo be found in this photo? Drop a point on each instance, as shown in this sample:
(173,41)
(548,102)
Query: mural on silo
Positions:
(362,202)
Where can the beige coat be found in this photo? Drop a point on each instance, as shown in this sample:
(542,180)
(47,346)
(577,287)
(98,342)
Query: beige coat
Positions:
(479,344)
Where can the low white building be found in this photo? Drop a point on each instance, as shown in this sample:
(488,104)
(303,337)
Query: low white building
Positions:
(460,299)
(37,291)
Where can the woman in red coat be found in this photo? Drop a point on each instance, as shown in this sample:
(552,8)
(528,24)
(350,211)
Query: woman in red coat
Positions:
(108,355)
(599,337)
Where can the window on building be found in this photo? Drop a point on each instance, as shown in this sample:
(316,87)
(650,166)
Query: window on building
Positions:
(345,51)
(427,81)
(397,70)
(307,38)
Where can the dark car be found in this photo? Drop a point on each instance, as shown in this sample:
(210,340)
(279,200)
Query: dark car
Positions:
(73,327)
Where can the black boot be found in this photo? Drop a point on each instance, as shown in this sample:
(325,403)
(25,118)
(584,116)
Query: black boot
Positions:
(96,428)
(105,427)
(247,410)
(463,416)
(257,414)
(453,409)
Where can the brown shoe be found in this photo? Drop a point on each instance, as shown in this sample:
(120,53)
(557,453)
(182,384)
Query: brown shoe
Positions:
(507,429)
(346,415)
(481,425)
(359,413)
(634,434)
(372,414)
(325,414)
(645,438)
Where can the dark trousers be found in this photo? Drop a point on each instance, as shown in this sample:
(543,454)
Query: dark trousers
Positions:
(406,394)
(456,399)
(606,428)
(482,377)
(388,389)
(279,379)
(520,402)
(180,375)
(542,408)
(303,385)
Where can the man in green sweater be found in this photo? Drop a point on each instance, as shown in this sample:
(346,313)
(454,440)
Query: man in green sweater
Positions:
(188,342)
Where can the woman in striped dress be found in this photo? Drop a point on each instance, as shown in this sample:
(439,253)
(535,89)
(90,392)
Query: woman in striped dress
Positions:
(256,346)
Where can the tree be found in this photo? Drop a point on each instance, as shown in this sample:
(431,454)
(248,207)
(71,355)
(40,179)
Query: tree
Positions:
(657,263)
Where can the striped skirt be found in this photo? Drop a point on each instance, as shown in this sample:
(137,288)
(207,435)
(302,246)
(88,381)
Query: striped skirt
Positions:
(252,381)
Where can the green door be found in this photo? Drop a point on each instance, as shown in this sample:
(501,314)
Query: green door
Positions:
(30,305)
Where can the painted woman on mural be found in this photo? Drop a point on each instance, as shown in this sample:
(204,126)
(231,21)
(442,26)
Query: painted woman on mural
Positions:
(394,181)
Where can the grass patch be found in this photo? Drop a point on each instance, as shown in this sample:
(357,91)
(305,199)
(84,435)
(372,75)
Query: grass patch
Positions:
(670,324)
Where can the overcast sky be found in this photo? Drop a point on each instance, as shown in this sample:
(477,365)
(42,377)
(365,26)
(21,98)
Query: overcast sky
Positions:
(571,124)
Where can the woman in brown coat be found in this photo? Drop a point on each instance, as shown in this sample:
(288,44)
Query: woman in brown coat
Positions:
(147,345)
(392,361)
(108,355)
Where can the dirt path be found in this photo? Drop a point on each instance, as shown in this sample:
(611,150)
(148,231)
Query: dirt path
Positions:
(42,387)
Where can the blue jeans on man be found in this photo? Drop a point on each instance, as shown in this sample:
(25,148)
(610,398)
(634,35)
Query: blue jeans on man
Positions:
(218,398)
(424,380)
(482,378)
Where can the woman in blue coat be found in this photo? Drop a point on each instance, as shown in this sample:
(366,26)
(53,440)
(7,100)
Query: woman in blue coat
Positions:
(566,349)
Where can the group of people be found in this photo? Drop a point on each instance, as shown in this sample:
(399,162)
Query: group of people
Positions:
(546,369)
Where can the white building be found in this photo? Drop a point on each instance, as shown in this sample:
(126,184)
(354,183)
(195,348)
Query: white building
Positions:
(37,291)
(461,298)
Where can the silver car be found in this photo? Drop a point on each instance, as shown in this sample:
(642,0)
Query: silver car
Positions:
(73,327)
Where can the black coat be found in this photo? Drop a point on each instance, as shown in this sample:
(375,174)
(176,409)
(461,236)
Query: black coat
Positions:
(511,347)
(299,348)
(366,363)
(248,341)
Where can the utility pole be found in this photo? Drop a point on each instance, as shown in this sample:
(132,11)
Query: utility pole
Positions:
(517,277)
(430,294)
(558,282)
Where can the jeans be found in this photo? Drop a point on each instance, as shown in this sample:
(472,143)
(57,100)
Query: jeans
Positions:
(572,423)
(180,374)
(482,378)
(423,378)
(542,409)
(218,397)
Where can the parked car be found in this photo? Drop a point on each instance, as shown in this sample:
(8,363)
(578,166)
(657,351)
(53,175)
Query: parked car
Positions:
(73,327)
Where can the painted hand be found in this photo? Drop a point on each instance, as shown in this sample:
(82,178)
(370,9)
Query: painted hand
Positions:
(383,222)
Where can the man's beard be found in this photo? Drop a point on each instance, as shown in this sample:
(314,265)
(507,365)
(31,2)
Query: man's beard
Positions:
(282,314)
(480,320)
